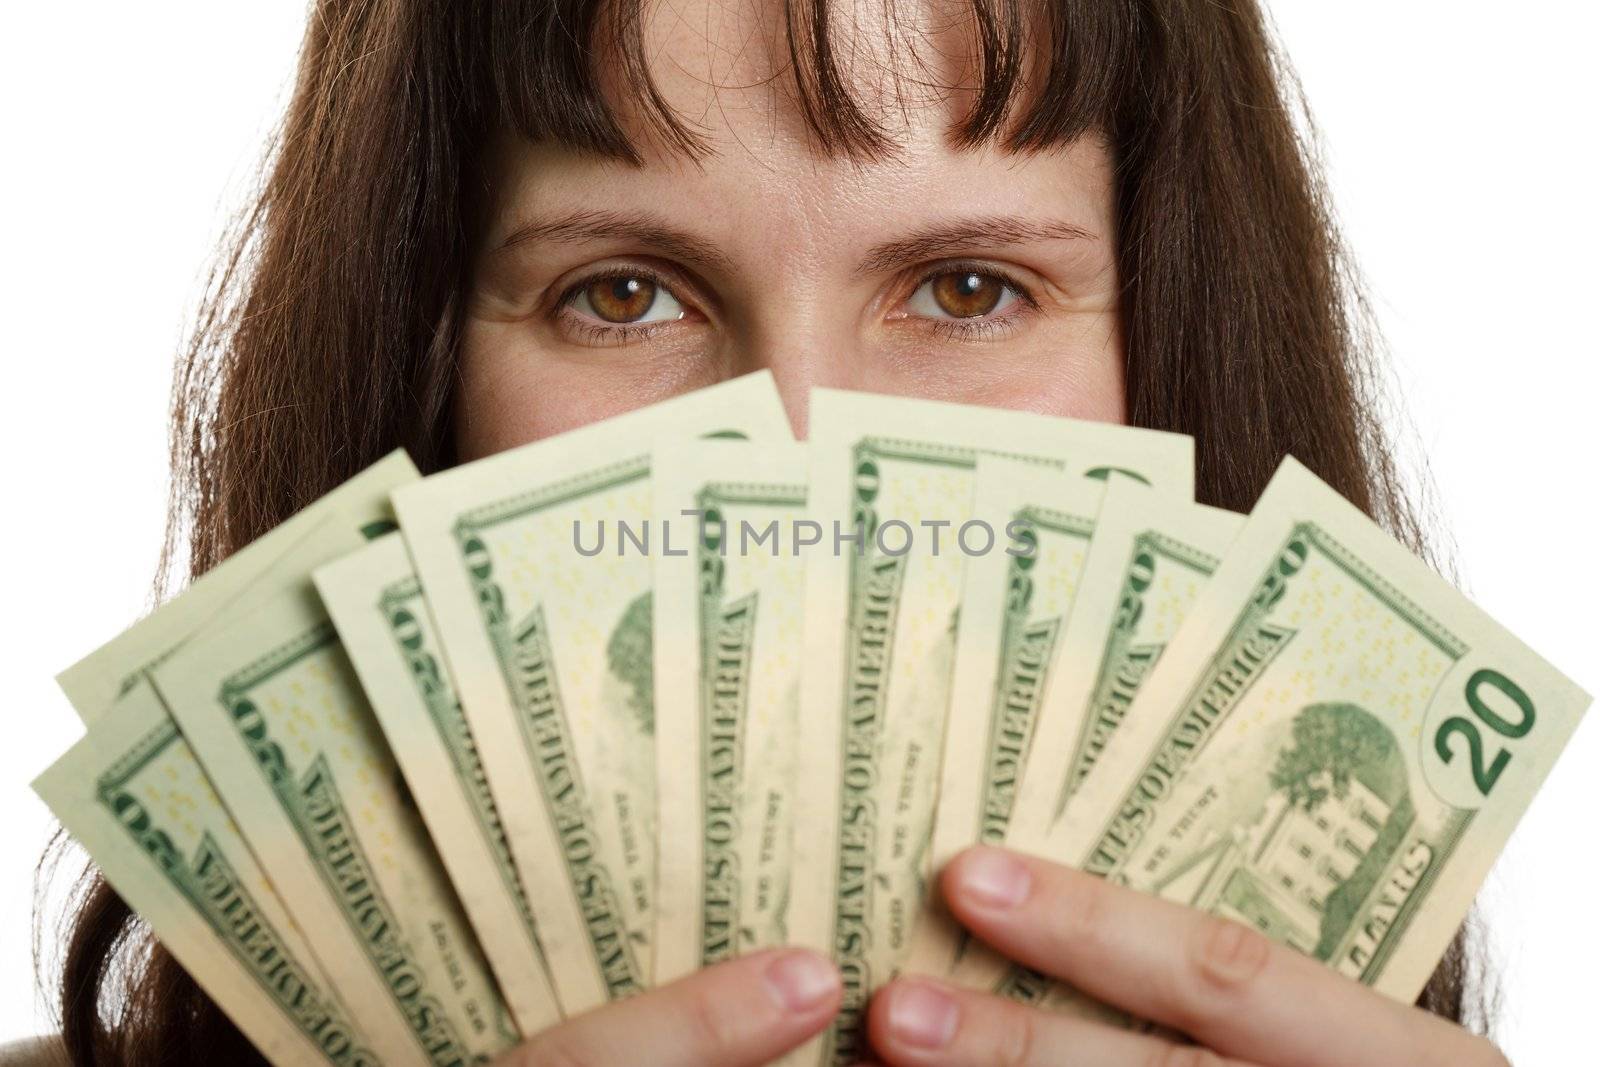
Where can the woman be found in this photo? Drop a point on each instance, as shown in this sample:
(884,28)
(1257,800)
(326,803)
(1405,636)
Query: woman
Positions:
(486,223)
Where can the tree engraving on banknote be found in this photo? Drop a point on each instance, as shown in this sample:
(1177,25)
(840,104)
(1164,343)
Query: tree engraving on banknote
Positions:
(1318,753)
(1328,850)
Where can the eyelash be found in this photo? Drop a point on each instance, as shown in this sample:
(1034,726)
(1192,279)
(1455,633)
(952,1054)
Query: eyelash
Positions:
(613,333)
(975,329)
(978,329)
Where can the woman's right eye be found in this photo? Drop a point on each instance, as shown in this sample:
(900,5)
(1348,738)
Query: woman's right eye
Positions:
(625,299)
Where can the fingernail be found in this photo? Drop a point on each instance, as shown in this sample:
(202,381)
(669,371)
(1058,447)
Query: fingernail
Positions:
(799,981)
(993,878)
(922,1015)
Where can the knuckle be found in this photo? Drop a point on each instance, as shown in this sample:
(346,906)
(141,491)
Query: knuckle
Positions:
(1223,960)
(1019,1039)
(715,1031)
(1077,917)
(550,1049)
(1229,955)
(1165,1055)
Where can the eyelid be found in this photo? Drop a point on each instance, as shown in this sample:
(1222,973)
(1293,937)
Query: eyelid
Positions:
(672,281)
(601,334)
(995,326)
(975,266)
(986,329)
(991,326)
(607,335)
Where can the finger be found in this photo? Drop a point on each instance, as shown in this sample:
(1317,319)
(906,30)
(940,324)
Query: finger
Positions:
(1218,981)
(735,1014)
(917,1022)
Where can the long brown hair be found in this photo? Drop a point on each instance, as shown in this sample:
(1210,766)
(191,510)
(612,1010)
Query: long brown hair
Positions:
(329,331)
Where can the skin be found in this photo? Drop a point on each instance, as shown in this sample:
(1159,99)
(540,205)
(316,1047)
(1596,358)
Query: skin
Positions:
(792,267)
(970,276)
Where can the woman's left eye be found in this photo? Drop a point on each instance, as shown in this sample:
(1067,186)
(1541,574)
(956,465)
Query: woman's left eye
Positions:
(962,294)
(626,300)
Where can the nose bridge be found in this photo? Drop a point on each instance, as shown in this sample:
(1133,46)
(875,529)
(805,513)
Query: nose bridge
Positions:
(801,351)
(801,320)
(802,331)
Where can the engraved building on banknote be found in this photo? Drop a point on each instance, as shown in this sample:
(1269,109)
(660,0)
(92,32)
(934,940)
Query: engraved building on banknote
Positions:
(1320,839)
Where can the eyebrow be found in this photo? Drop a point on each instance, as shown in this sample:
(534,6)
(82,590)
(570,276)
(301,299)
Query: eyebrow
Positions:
(947,238)
(638,226)
(932,241)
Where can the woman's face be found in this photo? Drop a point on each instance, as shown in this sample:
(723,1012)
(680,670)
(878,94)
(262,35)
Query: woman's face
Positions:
(971,276)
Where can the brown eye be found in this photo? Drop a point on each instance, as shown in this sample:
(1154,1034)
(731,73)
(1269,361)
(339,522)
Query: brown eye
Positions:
(620,299)
(621,305)
(961,294)
(966,294)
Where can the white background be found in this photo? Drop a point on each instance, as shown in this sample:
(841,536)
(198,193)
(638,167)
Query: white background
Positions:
(1461,144)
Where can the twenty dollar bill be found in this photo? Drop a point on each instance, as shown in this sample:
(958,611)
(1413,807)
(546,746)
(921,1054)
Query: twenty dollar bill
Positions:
(133,794)
(727,691)
(1014,609)
(1149,559)
(537,565)
(255,571)
(273,709)
(387,630)
(891,487)
(1333,749)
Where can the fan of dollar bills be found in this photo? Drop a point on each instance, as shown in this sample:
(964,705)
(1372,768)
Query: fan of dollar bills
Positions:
(441,760)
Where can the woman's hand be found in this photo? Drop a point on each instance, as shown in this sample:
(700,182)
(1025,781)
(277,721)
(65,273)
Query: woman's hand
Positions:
(737,1014)
(1243,999)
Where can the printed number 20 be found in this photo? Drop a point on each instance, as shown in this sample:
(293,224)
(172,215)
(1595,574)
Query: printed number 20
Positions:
(1485,777)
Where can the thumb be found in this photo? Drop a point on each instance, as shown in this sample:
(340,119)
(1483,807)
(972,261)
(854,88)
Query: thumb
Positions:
(736,1014)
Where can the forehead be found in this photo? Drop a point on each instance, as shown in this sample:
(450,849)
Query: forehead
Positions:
(731,70)
(726,69)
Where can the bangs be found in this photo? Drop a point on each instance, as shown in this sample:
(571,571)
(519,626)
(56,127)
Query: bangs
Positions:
(533,66)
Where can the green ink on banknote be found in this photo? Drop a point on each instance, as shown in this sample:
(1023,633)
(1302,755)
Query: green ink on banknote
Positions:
(1126,661)
(323,825)
(209,883)
(402,606)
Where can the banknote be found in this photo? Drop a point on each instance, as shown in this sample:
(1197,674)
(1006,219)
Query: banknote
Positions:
(891,489)
(376,604)
(1333,748)
(537,565)
(1149,558)
(93,683)
(274,711)
(133,795)
(621,704)
(727,629)
(1014,610)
